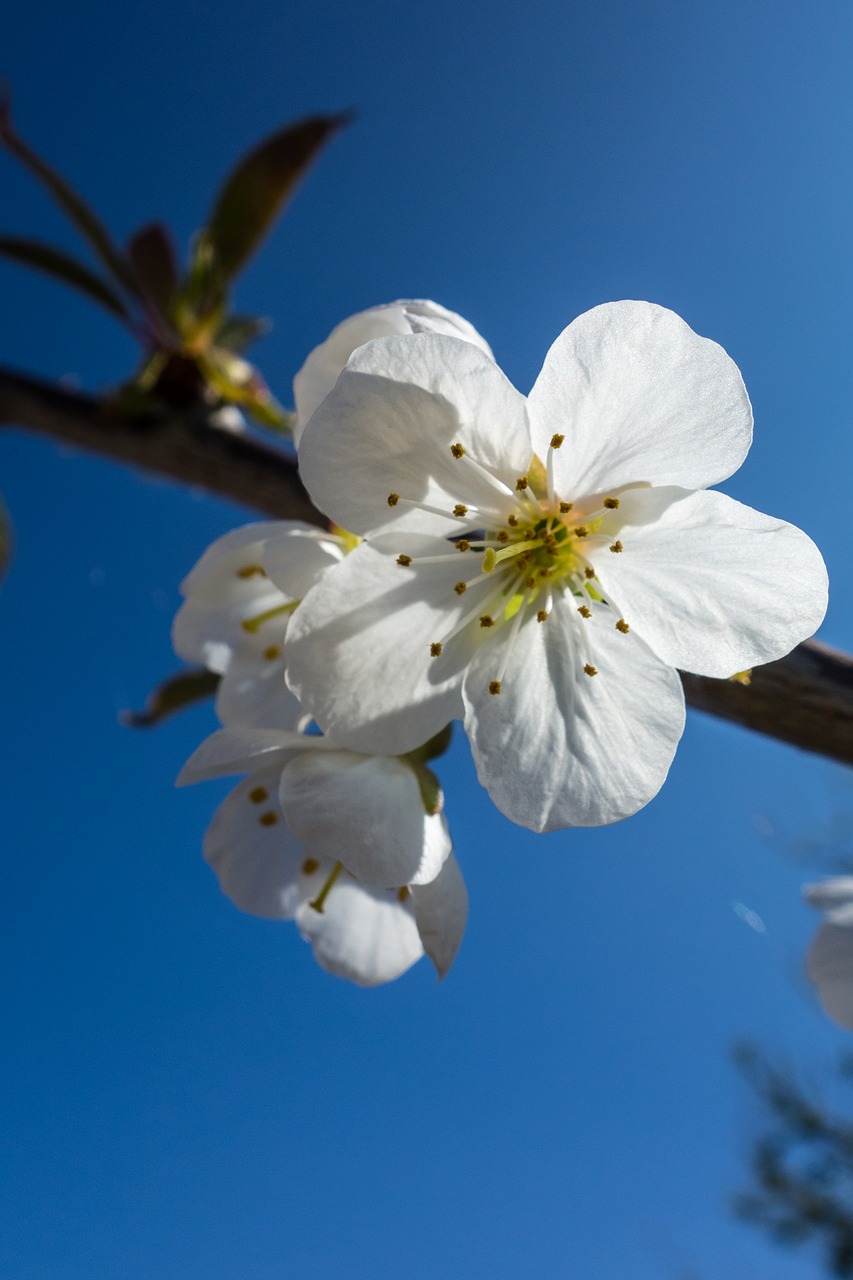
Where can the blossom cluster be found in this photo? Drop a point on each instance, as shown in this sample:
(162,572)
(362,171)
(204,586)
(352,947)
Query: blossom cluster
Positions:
(537,567)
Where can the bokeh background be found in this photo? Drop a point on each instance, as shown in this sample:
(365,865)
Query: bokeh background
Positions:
(184,1093)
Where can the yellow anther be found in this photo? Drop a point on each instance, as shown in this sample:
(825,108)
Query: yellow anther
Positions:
(404,560)
(402,894)
(309,866)
(435,649)
(622,626)
(487,620)
(393,499)
(494,686)
(546,573)
(272,652)
(542,615)
(581,531)
(461,588)
(565,508)
(268,819)
(588,573)
(258,795)
(460,509)
(502,536)
(590,669)
(521,484)
(611,503)
(616,546)
(489,560)
(463,545)
(512,521)
(457,451)
(251,571)
(530,583)
(556,440)
(584,611)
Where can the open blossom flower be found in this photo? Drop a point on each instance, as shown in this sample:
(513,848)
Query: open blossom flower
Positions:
(290,840)
(541,567)
(234,616)
(829,961)
(320,371)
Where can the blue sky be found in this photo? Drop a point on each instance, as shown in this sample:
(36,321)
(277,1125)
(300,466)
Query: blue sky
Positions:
(184,1093)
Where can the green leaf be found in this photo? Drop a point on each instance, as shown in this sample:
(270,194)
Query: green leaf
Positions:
(253,195)
(174,694)
(73,206)
(152,257)
(239,332)
(432,797)
(60,265)
(436,746)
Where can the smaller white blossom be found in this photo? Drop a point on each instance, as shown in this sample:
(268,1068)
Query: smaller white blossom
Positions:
(367,929)
(320,371)
(234,616)
(829,960)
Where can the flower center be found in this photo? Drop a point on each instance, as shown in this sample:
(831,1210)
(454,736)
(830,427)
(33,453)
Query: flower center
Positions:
(529,547)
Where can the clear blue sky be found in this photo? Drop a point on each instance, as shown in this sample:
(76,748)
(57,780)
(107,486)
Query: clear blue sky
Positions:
(184,1093)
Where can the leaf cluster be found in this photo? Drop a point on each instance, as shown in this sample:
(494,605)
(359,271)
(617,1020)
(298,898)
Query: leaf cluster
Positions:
(192,342)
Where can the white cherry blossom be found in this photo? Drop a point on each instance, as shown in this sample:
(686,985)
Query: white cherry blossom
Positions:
(234,616)
(829,960)
(320,371)
(541,567)
(409,898)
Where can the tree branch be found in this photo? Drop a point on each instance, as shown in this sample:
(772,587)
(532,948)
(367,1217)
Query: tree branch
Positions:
(184,447)
(805,699)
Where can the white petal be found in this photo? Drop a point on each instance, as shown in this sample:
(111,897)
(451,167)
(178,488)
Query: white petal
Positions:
(209,631)
(829,965)
(244,750)
(441,911)
(358,649)
(235,549)
(296,559)
(255,857)
(388,427)
(253,692)
(365,811)
(639,397)
(366,935)
(558,748)
(320,371)
(713,586)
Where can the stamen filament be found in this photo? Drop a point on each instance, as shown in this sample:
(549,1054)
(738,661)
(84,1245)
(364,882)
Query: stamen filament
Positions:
(516,627)
(480,609)
(320,901)
(435,511)
(464,456)
(252,625)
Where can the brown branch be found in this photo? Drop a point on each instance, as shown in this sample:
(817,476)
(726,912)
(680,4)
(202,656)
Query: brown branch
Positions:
(184,447)
(805,699)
